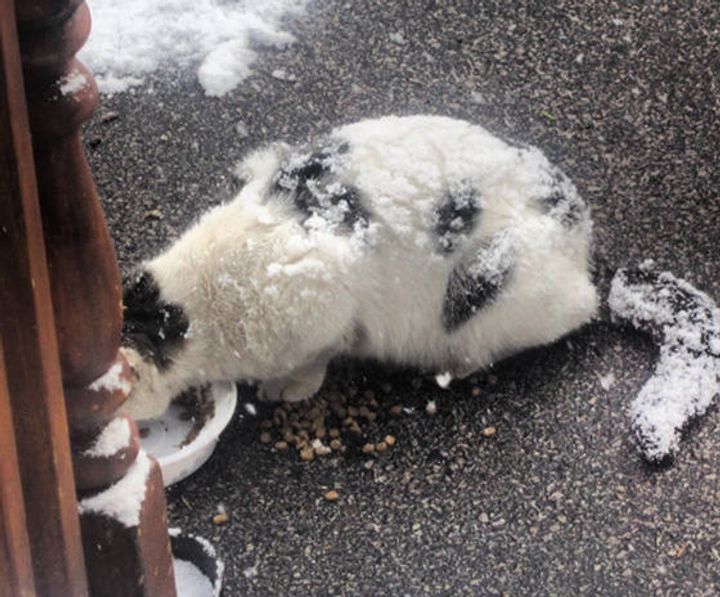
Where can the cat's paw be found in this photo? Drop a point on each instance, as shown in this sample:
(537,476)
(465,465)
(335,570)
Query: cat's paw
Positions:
(292,389)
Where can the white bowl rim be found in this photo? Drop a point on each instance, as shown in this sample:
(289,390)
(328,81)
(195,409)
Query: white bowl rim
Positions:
(225,398)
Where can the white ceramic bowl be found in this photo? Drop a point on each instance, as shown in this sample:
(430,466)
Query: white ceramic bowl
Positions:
(169,431)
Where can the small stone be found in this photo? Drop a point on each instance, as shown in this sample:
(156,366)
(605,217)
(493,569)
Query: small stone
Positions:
(153,214)
(334,432)
(368,448)
(335,444)
(109,117)
(282,75)
(331,495)
(489,431)
(381,446)
(241,129)
(390,440)
(307,454)
(475,391)
(281,445)
(265,437)
(431,408)
(368,465)
(396,409)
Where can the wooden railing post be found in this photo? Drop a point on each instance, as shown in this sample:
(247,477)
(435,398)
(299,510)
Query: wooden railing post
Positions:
(15,560)
(32,367)
(122,504)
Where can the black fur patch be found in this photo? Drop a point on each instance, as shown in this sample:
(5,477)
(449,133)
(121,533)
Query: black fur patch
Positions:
(455,217)
(153,327)
(311,182)
(477,281)
(563,202)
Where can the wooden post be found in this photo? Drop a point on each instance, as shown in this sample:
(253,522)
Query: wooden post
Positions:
(32,368)
(15,563)
(122,504)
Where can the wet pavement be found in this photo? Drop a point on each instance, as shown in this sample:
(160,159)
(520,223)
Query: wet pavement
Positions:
(625,99)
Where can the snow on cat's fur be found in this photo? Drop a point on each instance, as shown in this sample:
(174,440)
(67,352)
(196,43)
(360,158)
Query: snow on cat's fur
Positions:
(419,240)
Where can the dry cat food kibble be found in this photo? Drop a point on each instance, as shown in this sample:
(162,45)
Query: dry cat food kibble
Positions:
(337,419)
(331,495)
(197,407)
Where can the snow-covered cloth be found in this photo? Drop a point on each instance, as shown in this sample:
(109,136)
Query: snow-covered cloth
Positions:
(685,323)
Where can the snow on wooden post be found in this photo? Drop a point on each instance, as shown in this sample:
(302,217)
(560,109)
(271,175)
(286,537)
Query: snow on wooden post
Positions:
(122,504)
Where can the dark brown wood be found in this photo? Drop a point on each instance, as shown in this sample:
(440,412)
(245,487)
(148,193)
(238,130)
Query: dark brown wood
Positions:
(127,551)
(15,563)
(124,557)
(27,328)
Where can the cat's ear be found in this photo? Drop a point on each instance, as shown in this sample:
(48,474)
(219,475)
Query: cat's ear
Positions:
(262,163)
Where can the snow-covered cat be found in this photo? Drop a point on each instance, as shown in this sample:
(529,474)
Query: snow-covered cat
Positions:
(419,240)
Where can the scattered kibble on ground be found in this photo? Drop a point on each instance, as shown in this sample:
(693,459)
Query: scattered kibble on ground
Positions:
(331,495)
(341,418)
(221,518)
(338,419)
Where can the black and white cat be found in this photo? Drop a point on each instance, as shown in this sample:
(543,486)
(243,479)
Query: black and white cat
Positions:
(420,240)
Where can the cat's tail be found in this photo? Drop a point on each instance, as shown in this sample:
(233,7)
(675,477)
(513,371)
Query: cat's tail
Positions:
(685,323)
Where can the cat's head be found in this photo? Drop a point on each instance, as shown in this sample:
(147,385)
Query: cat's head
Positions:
(153,334)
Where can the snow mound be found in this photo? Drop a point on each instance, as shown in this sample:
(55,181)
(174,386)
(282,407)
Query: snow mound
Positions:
(133,38)
(686,324)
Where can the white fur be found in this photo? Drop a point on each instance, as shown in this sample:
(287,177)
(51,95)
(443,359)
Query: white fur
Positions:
(273,300)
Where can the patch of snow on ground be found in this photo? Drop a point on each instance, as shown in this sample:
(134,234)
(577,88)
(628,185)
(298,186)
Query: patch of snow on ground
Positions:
(122,501)
(686,324)
(443,379)
(133,38)
(189,581)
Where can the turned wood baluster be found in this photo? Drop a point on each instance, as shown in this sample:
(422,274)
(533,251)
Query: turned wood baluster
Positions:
(125,556)
(34,418)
